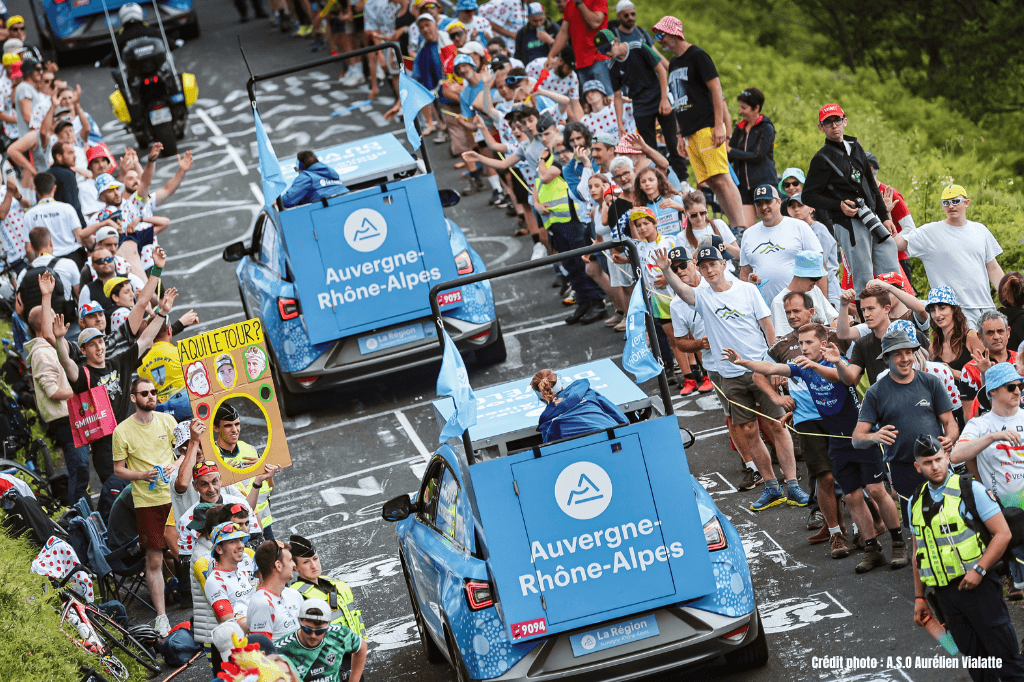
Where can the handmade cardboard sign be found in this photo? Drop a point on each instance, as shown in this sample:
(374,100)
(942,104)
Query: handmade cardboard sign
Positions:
(228,370)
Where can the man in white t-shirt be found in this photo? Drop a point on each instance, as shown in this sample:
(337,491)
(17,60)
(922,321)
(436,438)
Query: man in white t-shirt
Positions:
(769,247)
(808,270)
(274,608)
(995,440)
(735,316)
(957,253)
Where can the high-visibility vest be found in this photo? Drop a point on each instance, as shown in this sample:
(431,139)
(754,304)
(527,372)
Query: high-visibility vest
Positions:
(947,547)
(340,599)
(556,195)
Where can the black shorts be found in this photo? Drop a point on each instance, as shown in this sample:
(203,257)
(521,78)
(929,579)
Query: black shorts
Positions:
(519,191)
(853,471)
(746,195)
(815,447)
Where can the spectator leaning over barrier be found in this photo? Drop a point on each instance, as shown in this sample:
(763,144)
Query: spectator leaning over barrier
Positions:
(697,101)
(958,253)
(143,455)
(229,582)
(838,177)
(752,149)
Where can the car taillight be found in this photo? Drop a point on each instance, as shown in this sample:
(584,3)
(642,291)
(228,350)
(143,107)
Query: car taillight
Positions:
(306,383)
(736,635)
(288,308)
(464,263)
(715,535)
(478,594)
(481,337)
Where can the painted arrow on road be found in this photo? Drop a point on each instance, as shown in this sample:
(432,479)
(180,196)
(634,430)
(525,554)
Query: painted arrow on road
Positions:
(368,487)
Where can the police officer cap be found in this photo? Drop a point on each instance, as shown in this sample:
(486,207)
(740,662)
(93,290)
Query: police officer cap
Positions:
(225,411)
(926,446)
(301,547)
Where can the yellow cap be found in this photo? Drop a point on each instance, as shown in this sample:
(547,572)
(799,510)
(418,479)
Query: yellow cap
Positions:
(954,191)
(10,59)
(16,19)
(109,285)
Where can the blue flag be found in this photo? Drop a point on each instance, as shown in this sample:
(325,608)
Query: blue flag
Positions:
(636,356)
(273,182)
(454,381)
(414,97)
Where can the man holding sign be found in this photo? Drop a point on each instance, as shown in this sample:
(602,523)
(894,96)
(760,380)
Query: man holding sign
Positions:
(735,314)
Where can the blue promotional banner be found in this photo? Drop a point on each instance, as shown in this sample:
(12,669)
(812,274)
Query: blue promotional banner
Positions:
(453,381)
(414,97)
(274,183)
(636,356)
(590,528)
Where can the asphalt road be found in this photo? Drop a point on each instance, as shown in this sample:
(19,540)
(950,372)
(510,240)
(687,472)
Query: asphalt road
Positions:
(354,450)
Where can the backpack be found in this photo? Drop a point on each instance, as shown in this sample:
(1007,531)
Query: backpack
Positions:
(60,300)
(25,516)
(1014,515)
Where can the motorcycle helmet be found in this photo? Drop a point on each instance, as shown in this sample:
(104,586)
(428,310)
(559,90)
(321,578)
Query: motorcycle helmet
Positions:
(130,12)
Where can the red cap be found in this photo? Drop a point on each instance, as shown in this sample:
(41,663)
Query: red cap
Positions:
(831,109)
(897,280)
(612,189)
(101,150)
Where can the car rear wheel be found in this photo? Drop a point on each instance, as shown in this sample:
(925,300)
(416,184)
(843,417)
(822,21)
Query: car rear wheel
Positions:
(753,655)
(494,353)
(432,652)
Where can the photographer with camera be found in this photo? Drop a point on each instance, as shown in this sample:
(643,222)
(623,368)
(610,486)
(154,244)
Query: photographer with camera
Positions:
(841,184)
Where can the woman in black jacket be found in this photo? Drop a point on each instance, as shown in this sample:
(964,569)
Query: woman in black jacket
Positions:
(752,149)
(1011,304)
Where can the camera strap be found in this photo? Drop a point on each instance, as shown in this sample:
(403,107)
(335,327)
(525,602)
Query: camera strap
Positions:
(826,152)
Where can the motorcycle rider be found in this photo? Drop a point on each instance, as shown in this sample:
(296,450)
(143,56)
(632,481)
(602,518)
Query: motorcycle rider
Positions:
(133,26)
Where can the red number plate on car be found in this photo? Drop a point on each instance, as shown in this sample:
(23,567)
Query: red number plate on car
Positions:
(529,628)
(449,297)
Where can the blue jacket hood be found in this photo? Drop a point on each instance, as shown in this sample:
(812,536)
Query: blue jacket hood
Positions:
(578,410)
(323,170)
(319,181)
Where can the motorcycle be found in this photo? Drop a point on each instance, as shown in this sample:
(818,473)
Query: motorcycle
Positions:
(151,100)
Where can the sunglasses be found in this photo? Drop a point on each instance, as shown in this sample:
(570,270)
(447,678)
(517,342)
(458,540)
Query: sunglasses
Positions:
(513,80)
(946,203)
(1013,388)
(315,631)
(232,528)
(200,465)
(678,268)
(16,28)
(697,214)
(832,122)
(659,36)
(620,175)
(146,393)
(102,261)
(791,184)
(458,34)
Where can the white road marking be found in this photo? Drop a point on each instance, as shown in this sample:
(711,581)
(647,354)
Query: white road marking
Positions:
(341,528)
(712,485)
(256,192)
(794,613)
(368,487)
(715,432)
(216,321)
(413,436)
(753,544)
(231,151)
(319,484)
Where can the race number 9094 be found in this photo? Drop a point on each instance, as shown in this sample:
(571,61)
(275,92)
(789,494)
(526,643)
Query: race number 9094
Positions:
(529,628)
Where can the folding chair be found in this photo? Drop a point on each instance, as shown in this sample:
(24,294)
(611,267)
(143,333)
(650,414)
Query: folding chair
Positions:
(121,569)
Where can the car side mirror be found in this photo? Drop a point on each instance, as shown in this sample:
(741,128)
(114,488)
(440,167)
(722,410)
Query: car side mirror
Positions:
(398,509)
(690,439)
(449,197)
(235,252)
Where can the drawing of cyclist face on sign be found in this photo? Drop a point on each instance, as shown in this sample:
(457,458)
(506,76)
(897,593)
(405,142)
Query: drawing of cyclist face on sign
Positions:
(255,362)
(226,370)
(196,379)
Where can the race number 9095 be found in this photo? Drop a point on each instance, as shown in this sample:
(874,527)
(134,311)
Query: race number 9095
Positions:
(529,628)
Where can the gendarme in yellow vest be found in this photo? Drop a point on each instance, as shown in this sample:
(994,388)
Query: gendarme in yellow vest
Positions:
(556,195)
(947,547)
(340,599)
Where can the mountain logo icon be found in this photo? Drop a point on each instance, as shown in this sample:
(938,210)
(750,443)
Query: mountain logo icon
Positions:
(768,247)
(583,490)
(365,230)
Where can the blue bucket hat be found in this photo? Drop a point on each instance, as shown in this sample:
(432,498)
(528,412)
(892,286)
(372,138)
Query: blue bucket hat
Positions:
(467,5)
(106,181)
(941,295)
(792,173)
(904,326)
(809,264)
(464,59)
(1000,374)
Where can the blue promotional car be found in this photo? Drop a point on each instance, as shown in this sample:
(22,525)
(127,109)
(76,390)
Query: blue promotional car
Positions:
(598,557)
(341,284)
(67,25)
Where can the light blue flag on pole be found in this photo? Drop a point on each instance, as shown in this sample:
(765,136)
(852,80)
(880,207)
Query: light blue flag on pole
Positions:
(454,381)
(636,356)
(273,181)
(414,97)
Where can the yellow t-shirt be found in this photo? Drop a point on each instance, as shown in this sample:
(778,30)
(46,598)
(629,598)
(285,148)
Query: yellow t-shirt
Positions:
(162,366)
(144,446)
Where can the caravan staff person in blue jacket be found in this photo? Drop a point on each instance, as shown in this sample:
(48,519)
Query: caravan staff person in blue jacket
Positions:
(573,410)
(314,182)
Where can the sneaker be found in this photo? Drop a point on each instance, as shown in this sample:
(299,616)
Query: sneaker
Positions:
(621,326)
(495,197)
(577,314)
(873,558)
(705,386)
(858,541)
(815,520)
(751,479)
(570,299)
(689,386)
(538,251)
(769,498)
(839,548)
(505,201)
(899,555)
(162,625)
(441,136)
(614,319)
(796,497)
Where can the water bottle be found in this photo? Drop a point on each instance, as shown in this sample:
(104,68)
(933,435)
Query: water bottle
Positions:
(936,630)
(76,622)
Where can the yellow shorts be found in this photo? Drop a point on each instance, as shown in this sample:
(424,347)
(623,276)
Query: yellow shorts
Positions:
(707,161)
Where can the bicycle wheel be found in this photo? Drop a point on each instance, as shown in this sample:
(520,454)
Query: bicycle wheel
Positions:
(115,667)
(116,636)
